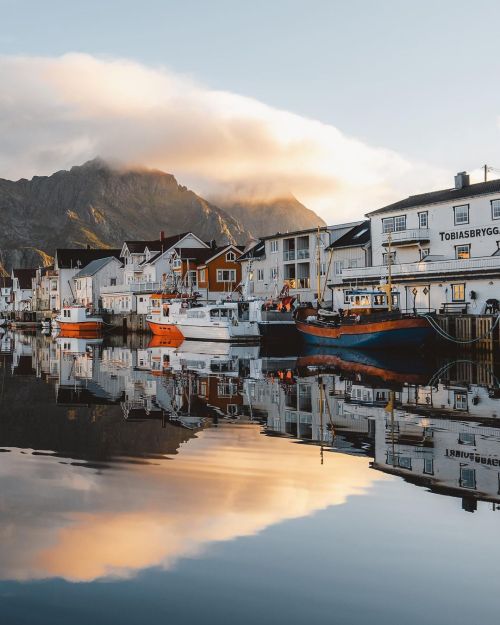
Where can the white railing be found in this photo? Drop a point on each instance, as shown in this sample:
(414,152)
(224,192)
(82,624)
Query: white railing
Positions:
(406,236)
(133,287)
(424,268)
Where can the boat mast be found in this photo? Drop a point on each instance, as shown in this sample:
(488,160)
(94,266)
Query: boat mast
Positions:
(389,272)
(318,261)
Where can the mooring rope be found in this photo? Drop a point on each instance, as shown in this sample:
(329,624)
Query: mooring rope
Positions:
(434,324)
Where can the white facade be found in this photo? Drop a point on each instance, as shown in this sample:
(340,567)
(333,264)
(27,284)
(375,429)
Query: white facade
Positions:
(292,259)
(445,254)
(6,303)
(22,295)
(88,282)
(145,271)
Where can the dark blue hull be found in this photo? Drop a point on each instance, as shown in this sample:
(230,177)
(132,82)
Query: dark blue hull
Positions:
(389,339)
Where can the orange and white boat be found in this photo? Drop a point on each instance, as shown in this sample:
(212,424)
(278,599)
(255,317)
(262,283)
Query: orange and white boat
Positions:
(78,320)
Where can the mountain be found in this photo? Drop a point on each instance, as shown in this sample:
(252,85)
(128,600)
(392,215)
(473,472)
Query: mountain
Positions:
(268,216)
(100,205)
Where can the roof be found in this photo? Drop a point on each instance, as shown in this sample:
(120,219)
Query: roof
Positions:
(446,195)
(198,254)
(359,235)
(294,233)
(70,258)
(24,277)
(94,266)
(257,251)
(138,247)
(5,282)
(216,251)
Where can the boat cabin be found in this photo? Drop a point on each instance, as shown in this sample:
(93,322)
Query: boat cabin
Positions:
(76,314)
(367,302)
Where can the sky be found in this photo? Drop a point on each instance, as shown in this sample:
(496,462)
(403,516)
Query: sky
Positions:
(347,105)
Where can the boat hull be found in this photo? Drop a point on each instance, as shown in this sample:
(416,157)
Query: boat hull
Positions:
(81,327)
(397,333)
(167,330)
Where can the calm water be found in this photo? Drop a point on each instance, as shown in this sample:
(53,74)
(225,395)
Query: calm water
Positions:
(204,483)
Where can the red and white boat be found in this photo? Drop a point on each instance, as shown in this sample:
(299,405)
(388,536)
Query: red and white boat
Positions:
(79,320)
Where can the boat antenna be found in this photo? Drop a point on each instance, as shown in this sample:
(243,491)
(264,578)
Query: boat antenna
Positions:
(389,271)
(318,260)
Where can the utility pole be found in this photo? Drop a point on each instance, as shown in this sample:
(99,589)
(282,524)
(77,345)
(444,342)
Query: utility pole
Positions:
(485,167)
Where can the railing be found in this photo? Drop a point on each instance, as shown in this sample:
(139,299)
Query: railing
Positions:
(132,287)
(289,255)
(406,236)
(424,268)
(298,283)
(302,254)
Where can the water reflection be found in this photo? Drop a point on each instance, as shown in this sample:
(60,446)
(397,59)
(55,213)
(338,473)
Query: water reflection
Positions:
(122,457)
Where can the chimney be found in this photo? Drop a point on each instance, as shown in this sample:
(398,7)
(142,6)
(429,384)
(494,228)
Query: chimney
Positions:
(462,180)
(88,246)
(213,244)
(162,235)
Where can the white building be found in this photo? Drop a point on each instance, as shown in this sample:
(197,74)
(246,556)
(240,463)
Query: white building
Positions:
(445,248)
(6,296)
(147,266)
(22,289)
(67,263)
(291,259)
(89,281)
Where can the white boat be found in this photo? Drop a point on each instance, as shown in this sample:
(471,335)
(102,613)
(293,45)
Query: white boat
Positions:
(229,321)
(78,320)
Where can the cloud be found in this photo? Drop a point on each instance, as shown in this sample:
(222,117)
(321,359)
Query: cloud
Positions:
(65,521)
(57,112)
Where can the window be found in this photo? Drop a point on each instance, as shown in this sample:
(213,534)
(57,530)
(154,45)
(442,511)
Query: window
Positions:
(389,257)
(458,292)
(337,267)
(394,224)
(461,214)
(462,251)
(429,466)
(467,478)
(274,246)
(230,257)
(322,269)
(260,275)
(177,263)
(202,275)
(495,209)
(353,263)
(226,275)
(460,402)
(274,273)
(423,220)
(425,251)
(466,438)
(112,281)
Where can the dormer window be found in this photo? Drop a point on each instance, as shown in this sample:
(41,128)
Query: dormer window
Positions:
(177,263)
(230,257)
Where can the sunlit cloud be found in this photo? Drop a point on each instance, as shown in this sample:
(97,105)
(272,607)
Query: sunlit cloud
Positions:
(57,112)
(66,521)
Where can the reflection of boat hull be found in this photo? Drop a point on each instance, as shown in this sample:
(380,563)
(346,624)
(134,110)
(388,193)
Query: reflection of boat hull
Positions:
(390,333)
(274,330)
(167,330)
(390,367)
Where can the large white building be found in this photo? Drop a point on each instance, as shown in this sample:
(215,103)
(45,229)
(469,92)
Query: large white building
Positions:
(89,281)
(444,246)
(291,259)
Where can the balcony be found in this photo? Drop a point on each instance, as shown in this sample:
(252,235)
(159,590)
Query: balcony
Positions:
(132,287)
(288,255)
(483,264)
(406,237)
(304,253)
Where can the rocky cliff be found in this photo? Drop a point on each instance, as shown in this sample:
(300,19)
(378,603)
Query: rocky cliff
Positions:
(100,205)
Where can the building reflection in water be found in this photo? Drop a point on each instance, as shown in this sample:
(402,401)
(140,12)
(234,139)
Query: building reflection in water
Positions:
(121,411)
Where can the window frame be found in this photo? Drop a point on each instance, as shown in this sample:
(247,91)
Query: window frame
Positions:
(457,284)
(461,223)
(492,213)
(274,246)
(393,220)
(220,275)
(230,256)
(457,257)
(260,272)
(420,214)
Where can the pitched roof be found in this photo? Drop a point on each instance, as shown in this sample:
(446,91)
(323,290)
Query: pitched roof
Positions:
(359,235)
(216,251)
(72,258)
(198,254)
(24,277)
(94,266)
(257,251)
(446,195)
(138,247)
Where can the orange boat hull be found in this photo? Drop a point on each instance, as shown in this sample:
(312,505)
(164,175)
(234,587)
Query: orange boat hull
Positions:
(165,329)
